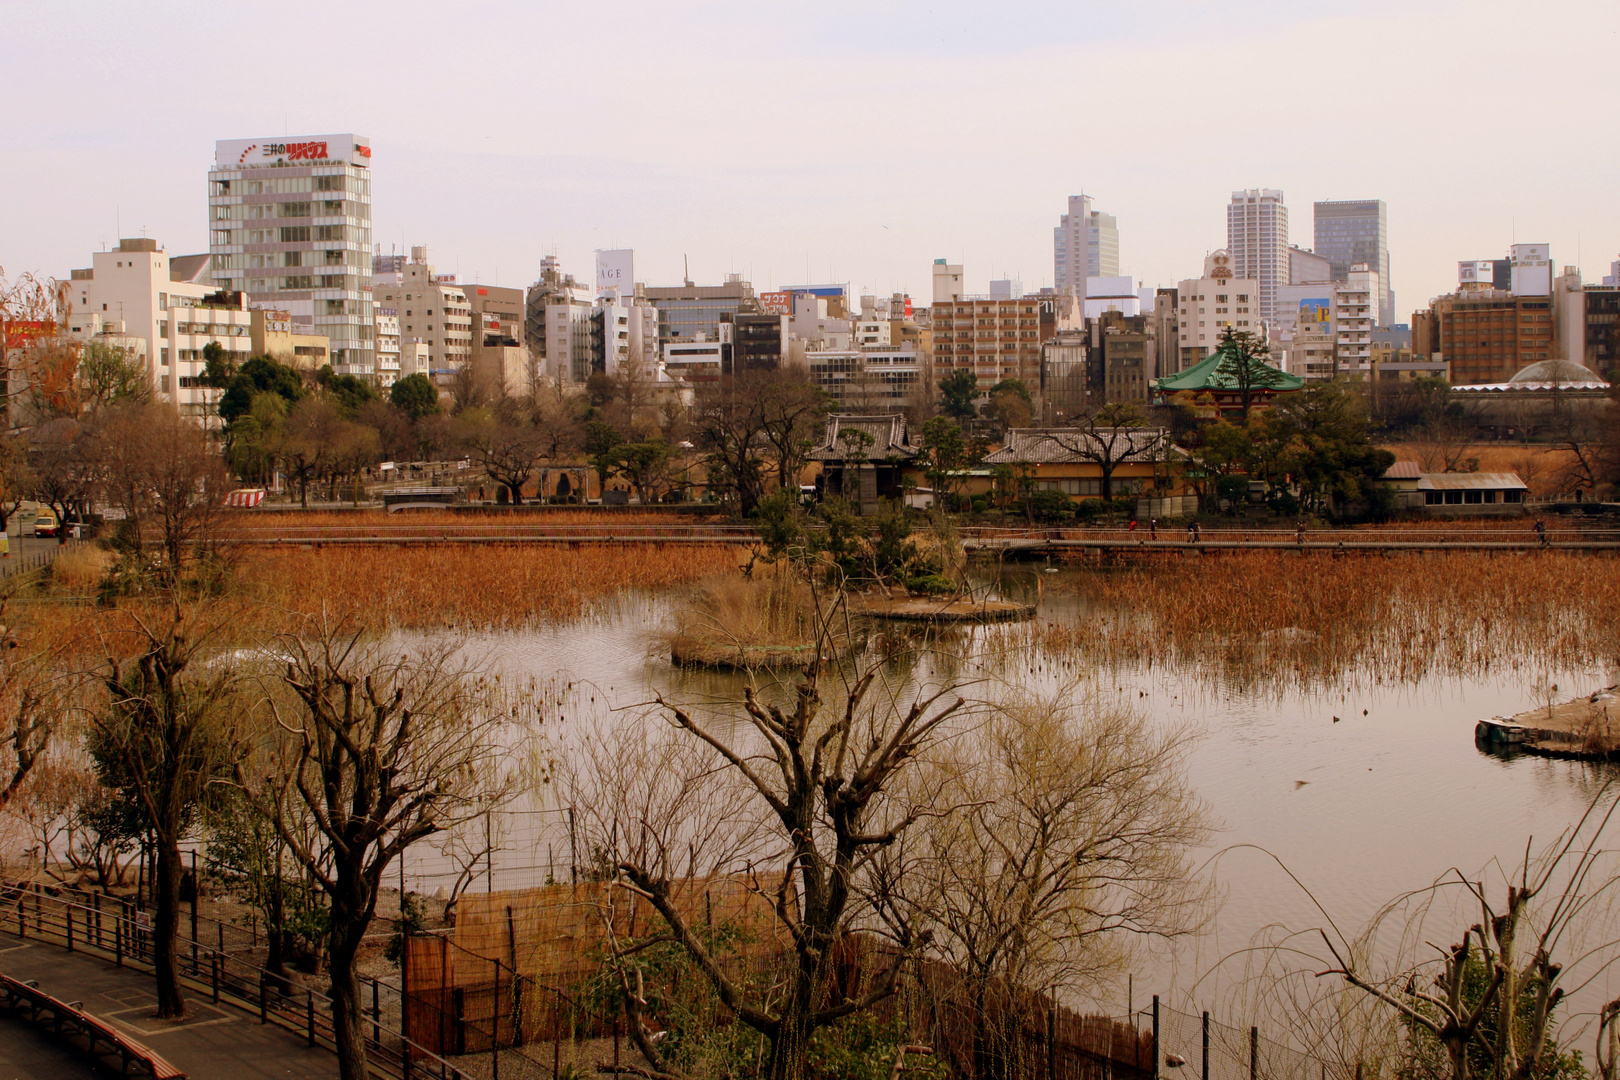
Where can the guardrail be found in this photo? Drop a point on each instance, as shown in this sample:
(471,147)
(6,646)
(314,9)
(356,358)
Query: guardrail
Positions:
(111,929)
(68,1022)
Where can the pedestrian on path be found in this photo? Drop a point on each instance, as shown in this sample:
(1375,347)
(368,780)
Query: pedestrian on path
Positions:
(1541,531)
(1153,528)
(1299,533)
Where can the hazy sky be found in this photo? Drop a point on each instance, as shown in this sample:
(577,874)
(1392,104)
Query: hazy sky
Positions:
(834,141)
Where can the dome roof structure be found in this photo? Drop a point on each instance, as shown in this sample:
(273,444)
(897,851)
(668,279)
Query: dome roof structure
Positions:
(1560,372)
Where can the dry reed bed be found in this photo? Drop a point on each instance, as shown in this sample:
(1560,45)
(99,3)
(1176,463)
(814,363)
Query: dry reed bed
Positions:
(469,587)
(1267,618)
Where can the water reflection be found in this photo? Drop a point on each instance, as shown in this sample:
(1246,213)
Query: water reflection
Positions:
(1363,789)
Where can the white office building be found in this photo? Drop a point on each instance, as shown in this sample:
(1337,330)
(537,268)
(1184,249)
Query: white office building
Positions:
(290,226)
(387,346)
(1084,244)
(1208,305)
(1257,241)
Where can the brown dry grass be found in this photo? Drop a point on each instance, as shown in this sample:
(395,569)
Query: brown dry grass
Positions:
(1270,618)
(768,618)
(360,519)
(470,587)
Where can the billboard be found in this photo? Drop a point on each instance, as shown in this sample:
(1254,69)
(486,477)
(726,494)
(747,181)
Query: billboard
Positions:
(294,150)
(1476,272)
(615,272)
(776,303)
(1316,310)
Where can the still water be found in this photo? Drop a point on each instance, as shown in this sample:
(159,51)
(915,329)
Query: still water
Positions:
(1382,801)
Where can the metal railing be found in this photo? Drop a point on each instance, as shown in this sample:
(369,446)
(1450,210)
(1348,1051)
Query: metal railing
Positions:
(112,929)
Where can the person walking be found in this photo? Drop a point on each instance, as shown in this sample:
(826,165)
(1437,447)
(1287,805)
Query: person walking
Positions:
(1299,534)
(1541,531)
(1153,528)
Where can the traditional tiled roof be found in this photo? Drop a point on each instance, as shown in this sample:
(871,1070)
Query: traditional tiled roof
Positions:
(886,430)
(1213,373)
(1053,446)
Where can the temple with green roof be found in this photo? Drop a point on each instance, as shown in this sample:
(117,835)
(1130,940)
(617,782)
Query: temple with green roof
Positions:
(1226,380)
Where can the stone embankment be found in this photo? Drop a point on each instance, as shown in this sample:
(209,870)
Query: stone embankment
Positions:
(1585,728)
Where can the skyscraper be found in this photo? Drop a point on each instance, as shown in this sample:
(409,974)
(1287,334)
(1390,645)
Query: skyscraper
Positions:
(290,225)
(1257,241)
(1085,244)
(1357,231)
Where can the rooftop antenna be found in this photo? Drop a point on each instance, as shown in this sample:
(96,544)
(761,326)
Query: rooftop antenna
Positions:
(686,269)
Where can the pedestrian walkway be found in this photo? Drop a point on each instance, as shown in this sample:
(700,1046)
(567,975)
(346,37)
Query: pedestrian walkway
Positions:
(30,1053)
(215,1042)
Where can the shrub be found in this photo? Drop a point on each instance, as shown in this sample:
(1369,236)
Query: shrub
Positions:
(1051,507)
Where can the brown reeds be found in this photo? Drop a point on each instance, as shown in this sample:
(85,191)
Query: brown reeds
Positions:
(468,587)
(769,619)
(1276,619)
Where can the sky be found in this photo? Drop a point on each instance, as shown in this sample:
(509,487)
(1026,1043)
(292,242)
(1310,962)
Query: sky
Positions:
(834,142)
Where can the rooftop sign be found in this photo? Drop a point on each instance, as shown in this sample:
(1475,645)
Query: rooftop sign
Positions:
(294,150)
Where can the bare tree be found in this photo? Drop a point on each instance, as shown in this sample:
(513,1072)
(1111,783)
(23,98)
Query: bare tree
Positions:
(163,738)
(1073,840)
(506,441)
(1109,437)
(165,470)
(382,750)
(813,785)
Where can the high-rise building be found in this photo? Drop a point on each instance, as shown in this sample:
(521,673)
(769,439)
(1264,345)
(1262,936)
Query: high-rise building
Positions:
(1351,231)
(1355,307)
(1257,241)
(290,226)
(1085,244)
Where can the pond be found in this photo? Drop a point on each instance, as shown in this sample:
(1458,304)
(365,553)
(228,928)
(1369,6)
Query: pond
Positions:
(1361,790)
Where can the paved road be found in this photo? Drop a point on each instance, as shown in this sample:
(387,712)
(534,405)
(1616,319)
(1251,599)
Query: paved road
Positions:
(216,1043)
(27,1053)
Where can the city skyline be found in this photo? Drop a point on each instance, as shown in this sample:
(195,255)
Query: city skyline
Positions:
(777,185)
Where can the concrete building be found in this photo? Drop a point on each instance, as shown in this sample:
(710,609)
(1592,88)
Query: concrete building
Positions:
(136,297)
(1220,299)
(1127,349)
(1612,278)
(687,311)
(1352,231)
(1084,244)
(1307,267)
(1117,294)
(1484,335)
(1355,313)
(947,281)
(1006,288)
(1165,317)
(497,345)
(290,226)
(999,339)
(866,380)
(278,335)
(624,333)
(557,324)
(615,273)
(1257,242)
(1068,388)
(433,310)
(386,337)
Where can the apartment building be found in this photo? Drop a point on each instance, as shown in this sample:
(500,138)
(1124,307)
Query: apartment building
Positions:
(290,226)
(433,310)
(1355,315)
(999,339)
(386,338)
(866,380)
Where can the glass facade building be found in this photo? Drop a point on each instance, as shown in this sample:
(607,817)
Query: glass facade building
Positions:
(1357,231)
(290,226)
